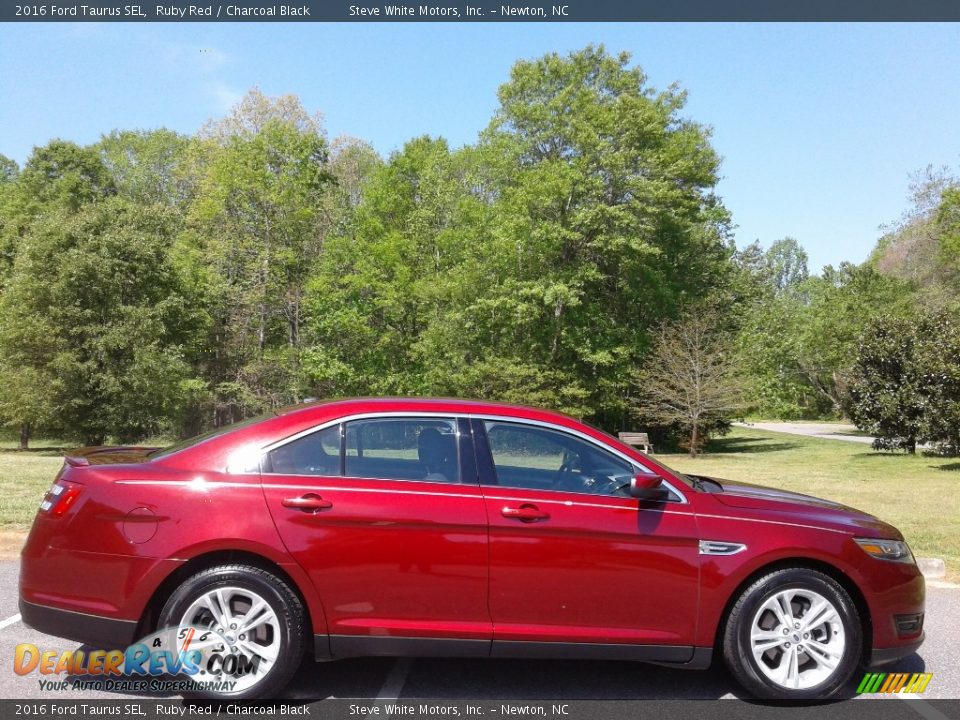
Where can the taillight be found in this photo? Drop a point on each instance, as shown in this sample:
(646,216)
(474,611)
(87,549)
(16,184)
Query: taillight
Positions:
(60,497)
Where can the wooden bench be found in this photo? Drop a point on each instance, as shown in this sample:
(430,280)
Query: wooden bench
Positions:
(637,439)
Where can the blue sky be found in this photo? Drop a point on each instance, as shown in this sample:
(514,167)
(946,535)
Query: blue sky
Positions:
(820,125)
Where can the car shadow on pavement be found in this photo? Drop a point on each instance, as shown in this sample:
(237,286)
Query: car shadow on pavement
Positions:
(545,680)
(505,680)
(499,679)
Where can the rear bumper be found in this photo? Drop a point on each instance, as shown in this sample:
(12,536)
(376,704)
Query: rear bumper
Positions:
(100,632)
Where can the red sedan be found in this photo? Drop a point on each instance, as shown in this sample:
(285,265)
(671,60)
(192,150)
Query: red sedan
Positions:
(462,529)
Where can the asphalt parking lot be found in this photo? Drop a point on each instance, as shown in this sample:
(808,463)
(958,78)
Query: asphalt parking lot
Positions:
(499,680)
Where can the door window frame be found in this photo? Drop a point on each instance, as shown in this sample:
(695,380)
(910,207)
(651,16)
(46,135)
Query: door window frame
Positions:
(488,471)
(476,460)
(466,456)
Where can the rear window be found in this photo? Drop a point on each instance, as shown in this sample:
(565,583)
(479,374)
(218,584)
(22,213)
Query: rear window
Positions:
(203,437)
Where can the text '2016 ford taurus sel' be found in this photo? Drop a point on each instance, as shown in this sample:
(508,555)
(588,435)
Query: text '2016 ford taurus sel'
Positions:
(460,529)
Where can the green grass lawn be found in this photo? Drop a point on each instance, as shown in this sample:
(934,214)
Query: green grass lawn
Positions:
(24,478)
(920,495)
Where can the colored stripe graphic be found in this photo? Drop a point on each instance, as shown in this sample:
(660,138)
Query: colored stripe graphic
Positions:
(873,682)
(893,683)
(865,683)
(918,683)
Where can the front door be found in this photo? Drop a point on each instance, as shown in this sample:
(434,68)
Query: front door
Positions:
(574,559)
(391,531)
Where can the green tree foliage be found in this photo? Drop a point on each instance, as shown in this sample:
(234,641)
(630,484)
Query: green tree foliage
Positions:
(9,172)
(255,231)
(148,167)
(388,282)
(798,334)
(92,322)
(948,231)
(527,268)
(839,305)
(63,174)
(922,247)
(905,384)
(786,264)
(940,360)
(768,347)
(58,175)
(256,263)
(56,182)
(603,221)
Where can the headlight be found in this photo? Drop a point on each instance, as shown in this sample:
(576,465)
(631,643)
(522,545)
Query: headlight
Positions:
(896,550)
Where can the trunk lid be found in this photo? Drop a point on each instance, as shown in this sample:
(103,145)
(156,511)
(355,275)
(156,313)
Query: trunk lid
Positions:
(111,455)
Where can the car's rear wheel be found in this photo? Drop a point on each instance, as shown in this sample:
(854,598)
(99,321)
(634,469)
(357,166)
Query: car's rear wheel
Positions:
(246,623)
(794,634)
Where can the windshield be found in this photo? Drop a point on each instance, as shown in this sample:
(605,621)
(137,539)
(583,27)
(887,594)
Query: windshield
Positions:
(209,435)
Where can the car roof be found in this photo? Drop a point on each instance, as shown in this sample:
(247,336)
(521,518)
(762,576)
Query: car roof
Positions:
(214,454)
(426,404)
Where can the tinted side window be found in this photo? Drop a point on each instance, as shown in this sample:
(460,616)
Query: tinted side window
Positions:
(403,449)
(314,454)
(537,458)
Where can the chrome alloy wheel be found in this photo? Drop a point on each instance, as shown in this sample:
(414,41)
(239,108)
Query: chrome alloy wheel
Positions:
(797,638)
(244,626)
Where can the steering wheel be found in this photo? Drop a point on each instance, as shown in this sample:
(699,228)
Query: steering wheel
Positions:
(601,484)
(566,480)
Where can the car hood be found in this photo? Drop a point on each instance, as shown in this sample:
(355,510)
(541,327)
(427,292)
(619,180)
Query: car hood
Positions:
(802,508)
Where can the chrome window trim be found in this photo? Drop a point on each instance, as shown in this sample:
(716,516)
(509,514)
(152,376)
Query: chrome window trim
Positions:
(472,416)
(393,415)
(357,416)
(590,441)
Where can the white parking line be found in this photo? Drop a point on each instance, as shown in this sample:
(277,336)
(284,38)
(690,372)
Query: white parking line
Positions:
(923,708)
(393,685)
(10,621)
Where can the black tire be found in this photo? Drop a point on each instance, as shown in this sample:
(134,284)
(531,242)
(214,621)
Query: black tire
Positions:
(281,598)
(737,650)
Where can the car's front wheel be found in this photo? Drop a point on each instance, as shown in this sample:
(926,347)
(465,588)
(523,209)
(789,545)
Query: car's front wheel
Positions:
(246,626)
(794,634)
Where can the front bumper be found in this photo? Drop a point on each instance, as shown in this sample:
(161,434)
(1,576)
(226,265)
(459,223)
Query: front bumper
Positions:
(100,632)
(885,656)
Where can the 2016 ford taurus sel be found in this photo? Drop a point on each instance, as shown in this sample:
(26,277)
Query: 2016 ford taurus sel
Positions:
(461,529)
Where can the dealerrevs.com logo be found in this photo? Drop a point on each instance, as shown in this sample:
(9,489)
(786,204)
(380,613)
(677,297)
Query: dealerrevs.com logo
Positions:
(200,659)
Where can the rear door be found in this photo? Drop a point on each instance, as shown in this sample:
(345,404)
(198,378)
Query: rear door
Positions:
(392,530)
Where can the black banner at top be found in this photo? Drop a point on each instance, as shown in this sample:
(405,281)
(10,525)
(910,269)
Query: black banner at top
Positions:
(479,11)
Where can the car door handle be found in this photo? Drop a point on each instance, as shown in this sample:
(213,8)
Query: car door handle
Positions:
(307,503)
(528,512)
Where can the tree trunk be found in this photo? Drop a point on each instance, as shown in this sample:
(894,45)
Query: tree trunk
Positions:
(265,290)
(912,446)
(694,440)
(293,320)
(25,436)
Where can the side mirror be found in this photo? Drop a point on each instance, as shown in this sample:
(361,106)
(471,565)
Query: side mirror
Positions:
(647,487)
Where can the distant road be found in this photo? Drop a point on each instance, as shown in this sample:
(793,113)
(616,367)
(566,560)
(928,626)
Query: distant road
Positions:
(826,431)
